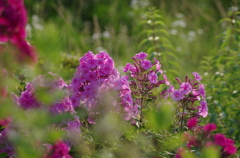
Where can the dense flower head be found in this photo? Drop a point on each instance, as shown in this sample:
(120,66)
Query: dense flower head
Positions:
(59,149)
(210,127)
(192,122)
(220,139)
(199,138)
(27,99)
(96,76)
(189,92)
(13,19)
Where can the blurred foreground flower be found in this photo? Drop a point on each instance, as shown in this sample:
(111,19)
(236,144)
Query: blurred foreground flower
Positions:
(13,19)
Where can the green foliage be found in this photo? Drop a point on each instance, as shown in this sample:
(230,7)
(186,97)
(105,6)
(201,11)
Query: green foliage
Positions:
(222,79)
(156,43)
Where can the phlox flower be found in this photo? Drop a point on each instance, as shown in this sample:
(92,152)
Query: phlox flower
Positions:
(192,122)
(93,63)
(141,55)
(185,87)
(203,108)
(153,77)
(197,76)
(230,149)
(177,95)
(129,67)
(59,149)
(202,91)
(220,139)
(210,127)
(146,64)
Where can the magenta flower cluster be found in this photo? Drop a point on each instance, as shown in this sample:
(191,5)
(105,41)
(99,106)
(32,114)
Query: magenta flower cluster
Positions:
(96,75)
(13,19)
(199,133)
(190,91)
(59,149)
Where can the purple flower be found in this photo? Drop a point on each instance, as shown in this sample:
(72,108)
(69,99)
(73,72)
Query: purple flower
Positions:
(93,63)
(202,91)
(129,67)
(27,99)
(197,76)
(203,108)
(153,77)
(177,95)
(146,64)
(141,55)
(185,87)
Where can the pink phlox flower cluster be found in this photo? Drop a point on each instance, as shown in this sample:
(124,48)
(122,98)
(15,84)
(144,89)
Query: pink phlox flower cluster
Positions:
(92,72)
(59,149)
(27,99)
(13,19)
(189,92)
(192,122)
(64,105)
(202,137)
(226,144)
(143,65)
(210,127)
(95,76)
